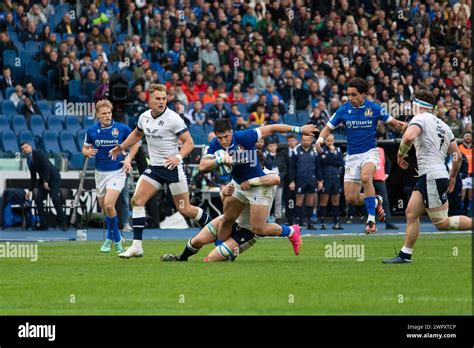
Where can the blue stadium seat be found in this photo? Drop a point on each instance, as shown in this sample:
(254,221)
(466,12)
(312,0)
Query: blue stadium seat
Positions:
(45,108)
(19,124)
(8,92)
(80,137)
(76,161)
(37,125)
(206,107)
(73,124)
(198,134)
(303,117)
(8,108)
(242,108)
(87,122)
(9,57)
(26,136)
(66,140)
(76,91)
(50,141)
(55,123)
(32,68)
(9,142)
(291,119)
(4,123)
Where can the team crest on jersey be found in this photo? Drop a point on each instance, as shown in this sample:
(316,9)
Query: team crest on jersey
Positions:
(115,132)
(368,112)
(161,122)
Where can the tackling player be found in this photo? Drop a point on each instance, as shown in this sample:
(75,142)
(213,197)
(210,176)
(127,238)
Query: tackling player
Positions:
(433,140)
(110,174)
(241,153)
(360,117)
(163,128)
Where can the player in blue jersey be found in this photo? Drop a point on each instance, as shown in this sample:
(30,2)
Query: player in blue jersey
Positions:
(110,175)
(360,117)
(241,154)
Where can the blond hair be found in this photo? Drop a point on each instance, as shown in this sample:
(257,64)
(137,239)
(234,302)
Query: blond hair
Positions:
(157,87)
(104,103)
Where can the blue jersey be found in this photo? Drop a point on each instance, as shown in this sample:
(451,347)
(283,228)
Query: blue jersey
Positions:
(361,125)
(104,140)
(244,154)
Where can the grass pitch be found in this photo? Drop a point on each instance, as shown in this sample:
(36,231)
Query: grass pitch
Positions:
(74,278)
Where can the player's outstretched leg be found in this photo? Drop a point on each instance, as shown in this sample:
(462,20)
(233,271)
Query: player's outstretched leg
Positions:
(138,218)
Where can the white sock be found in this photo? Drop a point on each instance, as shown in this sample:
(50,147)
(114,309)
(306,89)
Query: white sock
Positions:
(291,231)
(406,250)
(137,243)
(371,218)
(199,214)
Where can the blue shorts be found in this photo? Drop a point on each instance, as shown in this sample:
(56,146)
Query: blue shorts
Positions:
(332,185)
(240,234)
(433,191)
(305,187)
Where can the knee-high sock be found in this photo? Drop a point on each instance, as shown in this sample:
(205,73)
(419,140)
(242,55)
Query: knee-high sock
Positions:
(335,213)
(138,219)
(189,250)
(113,232)
(202,218)
(299,212)
(322,212)
(309,212)
(370,204)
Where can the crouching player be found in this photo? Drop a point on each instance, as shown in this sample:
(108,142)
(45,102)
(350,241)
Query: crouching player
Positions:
(110,175)
(241,237)
(433,140)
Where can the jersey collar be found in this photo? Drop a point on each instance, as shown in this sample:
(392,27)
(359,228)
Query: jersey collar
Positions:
(151,113)
(359,107)
(111,125)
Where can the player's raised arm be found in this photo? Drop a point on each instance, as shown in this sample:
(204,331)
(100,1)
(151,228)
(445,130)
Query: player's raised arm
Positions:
(131,140)
(266,180)
(127,162)
(308,129)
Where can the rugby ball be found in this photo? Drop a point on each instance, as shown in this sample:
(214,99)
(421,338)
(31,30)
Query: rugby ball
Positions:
(222,169)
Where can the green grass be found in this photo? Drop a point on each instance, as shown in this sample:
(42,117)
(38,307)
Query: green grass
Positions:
(263,281)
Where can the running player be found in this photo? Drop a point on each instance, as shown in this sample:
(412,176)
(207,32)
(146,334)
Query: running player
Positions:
(433,141)
(163,128)
(110,174)
(360,117)
(241,153)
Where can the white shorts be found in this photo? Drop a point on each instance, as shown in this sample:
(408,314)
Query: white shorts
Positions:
(258,195)
(114,180)
(467,183)
(354,163)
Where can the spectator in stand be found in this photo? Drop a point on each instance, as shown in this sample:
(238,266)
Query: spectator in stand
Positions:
(217,111)
(258,117)
(316,119)
(276,105)
(210,96)
(197,115)
(455,123)
(275,162)
(32,93)
(29,108)
(17,96)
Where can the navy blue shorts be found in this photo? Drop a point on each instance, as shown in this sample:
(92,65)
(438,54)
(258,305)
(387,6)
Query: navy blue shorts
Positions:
(433,191)
(175,179)
(332,185)
(305,187)
(240,234)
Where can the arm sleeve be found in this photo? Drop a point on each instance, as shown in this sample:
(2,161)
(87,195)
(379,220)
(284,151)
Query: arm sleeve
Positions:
(336,118)
(140,123)
(292,171)
(317,168)
(248,138)
(179,127)
(88,141)
(417,121)
(44,165)
(213,147)
(384,115)
(33,179)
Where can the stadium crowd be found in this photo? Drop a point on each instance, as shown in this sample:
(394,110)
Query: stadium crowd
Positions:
(254,62)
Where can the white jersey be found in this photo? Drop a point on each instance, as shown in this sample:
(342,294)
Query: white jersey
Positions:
(161,134)
(432,145)
(244,217)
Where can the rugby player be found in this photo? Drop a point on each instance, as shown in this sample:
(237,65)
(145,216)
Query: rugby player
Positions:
(241,153)
(110,174)
(360,117)
(433,140)
(163,128)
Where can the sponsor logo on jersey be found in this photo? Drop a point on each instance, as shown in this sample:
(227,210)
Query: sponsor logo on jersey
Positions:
(359,124)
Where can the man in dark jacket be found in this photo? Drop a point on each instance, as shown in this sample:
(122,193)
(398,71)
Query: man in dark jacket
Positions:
(289,192)
(307,179)
(276,162)
(49,182)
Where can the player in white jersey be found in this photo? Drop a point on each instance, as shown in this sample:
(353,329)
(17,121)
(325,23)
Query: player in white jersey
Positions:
(241,237)
(433,140)
(163,128)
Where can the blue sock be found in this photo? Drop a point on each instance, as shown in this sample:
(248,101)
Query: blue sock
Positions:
(285,231)
(370,204)
(109,221)
(117,235)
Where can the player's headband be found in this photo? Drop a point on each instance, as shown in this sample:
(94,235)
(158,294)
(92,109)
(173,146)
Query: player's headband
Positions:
(422,104)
